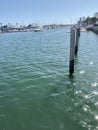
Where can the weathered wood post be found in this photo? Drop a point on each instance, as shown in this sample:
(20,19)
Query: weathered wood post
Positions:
(79,32)
(72,51)
(77,40)
(1,27)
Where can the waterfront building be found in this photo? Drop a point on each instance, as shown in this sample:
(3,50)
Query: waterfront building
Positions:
(96,14)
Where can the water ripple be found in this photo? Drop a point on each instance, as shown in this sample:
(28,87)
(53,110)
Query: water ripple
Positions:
(36,91)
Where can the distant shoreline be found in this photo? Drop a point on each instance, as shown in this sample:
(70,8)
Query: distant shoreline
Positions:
(12,29)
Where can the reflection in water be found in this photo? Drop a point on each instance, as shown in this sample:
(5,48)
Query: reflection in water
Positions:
(62,106)
(96,117)
(82,107)
(94,84)
(72,83)
(82,72)
(91,63)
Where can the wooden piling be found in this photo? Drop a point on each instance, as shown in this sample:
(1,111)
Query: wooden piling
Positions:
(72,51)
(79,31)
(77,40)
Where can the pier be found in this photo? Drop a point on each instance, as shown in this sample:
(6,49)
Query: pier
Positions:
(95,29)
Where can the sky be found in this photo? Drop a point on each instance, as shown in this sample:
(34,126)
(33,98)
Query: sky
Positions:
(25,12)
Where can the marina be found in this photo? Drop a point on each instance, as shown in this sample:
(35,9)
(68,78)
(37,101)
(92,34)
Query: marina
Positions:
(36,90)
(48,65)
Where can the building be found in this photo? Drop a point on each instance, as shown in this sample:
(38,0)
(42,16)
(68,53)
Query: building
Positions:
(96,14)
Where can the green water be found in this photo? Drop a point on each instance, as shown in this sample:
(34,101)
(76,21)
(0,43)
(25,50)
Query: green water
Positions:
(36,91)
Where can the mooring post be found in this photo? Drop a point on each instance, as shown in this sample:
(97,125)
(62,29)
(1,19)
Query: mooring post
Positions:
(72,51)
(79,31)
(77,40)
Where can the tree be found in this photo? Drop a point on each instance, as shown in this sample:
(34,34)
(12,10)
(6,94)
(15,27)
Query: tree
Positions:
(91,20)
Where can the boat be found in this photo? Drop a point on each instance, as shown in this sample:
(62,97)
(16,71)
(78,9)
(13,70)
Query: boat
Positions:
(38,29)
(82,29)
(67,31)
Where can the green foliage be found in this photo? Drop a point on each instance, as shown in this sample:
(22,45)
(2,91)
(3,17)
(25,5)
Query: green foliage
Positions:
(91,20)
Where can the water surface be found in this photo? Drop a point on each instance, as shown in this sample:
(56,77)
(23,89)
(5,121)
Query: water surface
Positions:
(36,91)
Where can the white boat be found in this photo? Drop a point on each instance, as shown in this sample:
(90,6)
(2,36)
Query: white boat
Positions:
(68,31)
(37,29)
(83,29)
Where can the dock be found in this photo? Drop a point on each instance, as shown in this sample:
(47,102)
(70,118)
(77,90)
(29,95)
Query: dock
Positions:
(92,28)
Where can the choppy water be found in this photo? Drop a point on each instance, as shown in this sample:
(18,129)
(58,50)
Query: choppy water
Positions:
(36,91)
